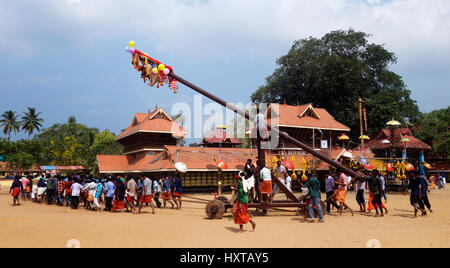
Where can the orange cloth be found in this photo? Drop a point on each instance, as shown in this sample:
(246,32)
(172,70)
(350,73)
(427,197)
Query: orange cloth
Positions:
(370,206)
(15,192)
(118,204)
(340,195)
(130,199)
(177,194)
(266,187)
(166,195)
(241,217)
(146,198)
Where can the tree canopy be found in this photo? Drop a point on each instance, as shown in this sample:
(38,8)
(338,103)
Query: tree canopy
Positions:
(434,129)
(333,72)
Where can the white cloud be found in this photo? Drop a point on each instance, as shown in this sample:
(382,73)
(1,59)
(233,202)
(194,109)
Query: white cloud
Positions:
(225,29)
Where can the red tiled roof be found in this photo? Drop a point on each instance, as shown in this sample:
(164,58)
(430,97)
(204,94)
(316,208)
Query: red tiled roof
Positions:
(145,122)
(295,116)
(220,136)
(195,158)
(399,133)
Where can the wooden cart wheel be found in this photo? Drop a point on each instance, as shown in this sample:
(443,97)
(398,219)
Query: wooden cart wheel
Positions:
(215,209)
(224,200)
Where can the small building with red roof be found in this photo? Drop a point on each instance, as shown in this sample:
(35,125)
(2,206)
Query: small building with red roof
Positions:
(220,138)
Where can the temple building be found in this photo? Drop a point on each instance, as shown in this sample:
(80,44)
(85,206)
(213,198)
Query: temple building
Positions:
(404,142)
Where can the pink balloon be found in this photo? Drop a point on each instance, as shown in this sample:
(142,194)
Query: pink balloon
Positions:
(131,50)
(166,71)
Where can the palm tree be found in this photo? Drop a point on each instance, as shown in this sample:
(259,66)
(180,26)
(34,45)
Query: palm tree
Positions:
(31,121)
(9,123)
(72,120)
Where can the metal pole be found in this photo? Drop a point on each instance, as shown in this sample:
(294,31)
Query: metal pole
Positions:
(282,134)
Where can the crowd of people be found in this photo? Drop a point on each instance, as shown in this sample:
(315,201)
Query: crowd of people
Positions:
(114,193)
(133,192)
(336,186)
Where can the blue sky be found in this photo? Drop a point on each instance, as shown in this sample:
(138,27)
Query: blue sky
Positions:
(67,57)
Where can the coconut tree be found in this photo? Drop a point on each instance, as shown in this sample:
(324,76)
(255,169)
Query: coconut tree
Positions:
(31,121)
(9,122)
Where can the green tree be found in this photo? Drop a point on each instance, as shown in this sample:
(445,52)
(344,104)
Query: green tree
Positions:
(9,123)
(105,143)
(434,129)
(20,160)
(333,72)
(31,121)
(68,144)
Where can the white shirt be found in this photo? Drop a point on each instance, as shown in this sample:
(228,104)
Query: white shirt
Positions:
(383,183)
(265,174)
(288,183)
(76,189)
(156,187)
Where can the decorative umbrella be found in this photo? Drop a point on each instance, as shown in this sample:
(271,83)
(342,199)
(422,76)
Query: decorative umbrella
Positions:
(343,137)
(428,166)
(288,164)
(409,167)
(393,123)
(221,164)
(364,137)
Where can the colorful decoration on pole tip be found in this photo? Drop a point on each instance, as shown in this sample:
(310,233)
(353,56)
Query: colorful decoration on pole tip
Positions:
(132,50)
(174,86)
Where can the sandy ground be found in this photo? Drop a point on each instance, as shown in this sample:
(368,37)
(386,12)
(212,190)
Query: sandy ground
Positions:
(40,225)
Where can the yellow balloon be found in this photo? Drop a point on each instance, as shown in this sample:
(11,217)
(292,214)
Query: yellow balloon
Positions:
(161,67)
(155,70)
(131,44)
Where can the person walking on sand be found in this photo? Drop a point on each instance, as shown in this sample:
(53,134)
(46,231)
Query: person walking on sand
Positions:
(25,182)
(50,189)
(119,195)
(415,195)
(376,189)
(76,191)
(360,188)
(146,194)
(242,217)
(266,186)
(131,189)
(15,190)
(97,194)
(68,190)
(156,192)
(329,189)
(342,193)
(109,190)
(423,200)
(178,189)
(313,185)
(60,189)
(166,195)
